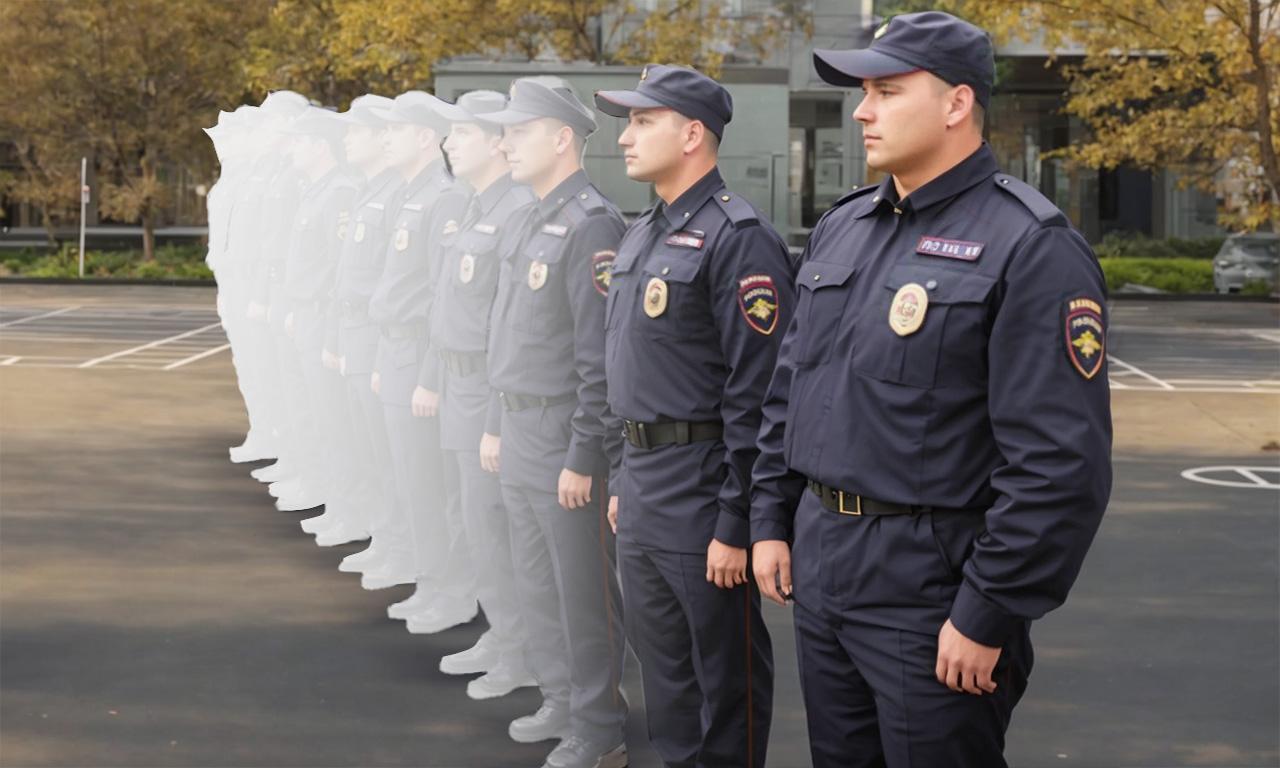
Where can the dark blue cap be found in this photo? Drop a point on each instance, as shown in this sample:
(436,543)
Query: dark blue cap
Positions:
(535,97)
(954,50)
(685,90)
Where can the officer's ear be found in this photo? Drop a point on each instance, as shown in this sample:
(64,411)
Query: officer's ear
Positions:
(960,105)
(694,134)
(564,139)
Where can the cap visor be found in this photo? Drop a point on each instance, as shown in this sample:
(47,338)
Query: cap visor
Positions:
(850,68)
(620,103)
(454,113)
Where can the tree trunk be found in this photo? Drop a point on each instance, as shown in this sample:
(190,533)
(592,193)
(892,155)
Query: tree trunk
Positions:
(148,237)
(1263,84)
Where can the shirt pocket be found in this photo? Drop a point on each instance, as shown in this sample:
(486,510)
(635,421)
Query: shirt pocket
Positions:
(672,303)
(538,283)
(949,346)
(820,308)
(472,264)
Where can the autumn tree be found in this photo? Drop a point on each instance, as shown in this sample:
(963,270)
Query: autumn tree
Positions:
(129,83)
(1182,84)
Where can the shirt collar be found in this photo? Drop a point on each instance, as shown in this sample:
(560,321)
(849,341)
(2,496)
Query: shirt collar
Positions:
(683,207)
(494,192)
(566,189)
(974,169)
(424,177)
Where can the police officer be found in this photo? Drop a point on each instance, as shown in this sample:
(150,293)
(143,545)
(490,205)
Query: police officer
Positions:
(940,415)
(459,336)
(351,338)
(546,368)
(700,292)
(401,305)
(310,266)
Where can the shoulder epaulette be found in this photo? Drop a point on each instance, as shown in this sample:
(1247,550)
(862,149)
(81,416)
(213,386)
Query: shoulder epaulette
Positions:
(737,209)
(854,194)
(1040,206)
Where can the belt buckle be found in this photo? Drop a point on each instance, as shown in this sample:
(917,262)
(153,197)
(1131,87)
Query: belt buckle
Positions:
(637,434)
(857,508)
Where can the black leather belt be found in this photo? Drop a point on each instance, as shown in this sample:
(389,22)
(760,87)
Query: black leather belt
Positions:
(404,331)
(462,363)
(513,402)
(852,504)
(652,434)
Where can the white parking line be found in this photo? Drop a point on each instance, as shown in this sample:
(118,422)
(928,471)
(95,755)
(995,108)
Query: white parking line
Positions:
(10,360)
(29,318)
(194,358)
(156,343)
(1139,372)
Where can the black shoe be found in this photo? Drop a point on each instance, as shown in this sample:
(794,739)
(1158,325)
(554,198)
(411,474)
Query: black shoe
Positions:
(551,721)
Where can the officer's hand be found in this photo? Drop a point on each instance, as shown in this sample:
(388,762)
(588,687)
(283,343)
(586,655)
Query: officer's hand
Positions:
(771,564)
(574,489)
(255,311)
(328,360)
(342,365)
(375,382)
(425,402)
(613,514)
(726,565)
(964,665)
(490,446)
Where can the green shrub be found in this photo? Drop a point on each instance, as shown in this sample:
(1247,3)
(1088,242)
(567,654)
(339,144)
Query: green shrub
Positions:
(1117,245)
(1173,275)
(1256,288)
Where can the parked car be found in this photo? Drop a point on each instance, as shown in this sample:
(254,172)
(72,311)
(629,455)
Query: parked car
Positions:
(1247,258)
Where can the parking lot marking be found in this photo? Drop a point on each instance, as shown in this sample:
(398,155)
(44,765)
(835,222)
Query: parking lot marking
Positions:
(195,357)
(10,359)
(1133,369)
(40,316)
(1245,477)
(149,345)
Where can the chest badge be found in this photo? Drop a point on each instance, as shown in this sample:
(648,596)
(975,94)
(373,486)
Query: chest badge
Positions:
(343,218)
(466,268)
(359,233)
(907,312)
(402,239)
(655,297)
(537,275)
(450,227)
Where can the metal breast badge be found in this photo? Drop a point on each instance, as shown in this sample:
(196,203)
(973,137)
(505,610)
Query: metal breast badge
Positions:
(655,297)
(907,312)
(402,239)
(537,274)
(466,268)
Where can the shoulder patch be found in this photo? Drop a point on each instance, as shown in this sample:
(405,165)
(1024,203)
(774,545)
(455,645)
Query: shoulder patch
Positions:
(602,270)
(1085,336)
(736,208)
(1040,206)
(758,301)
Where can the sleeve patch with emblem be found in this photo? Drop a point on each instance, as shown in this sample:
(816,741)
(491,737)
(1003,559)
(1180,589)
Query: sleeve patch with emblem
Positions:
(758,300)
(1085,336)
(602,270)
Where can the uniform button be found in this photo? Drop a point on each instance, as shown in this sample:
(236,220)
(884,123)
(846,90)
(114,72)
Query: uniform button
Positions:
(559,200)
(724,198)
(897,210)
(686,214)
(931,284)
(583,195)
(875,199)
(666,270)
(817,277)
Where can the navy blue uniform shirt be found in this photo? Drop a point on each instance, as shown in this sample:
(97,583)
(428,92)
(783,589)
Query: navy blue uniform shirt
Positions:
(700,295)
(948,350)
(547,337)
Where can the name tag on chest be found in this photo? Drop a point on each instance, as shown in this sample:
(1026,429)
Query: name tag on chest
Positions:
(687,239)
(559,230)
(963,250)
